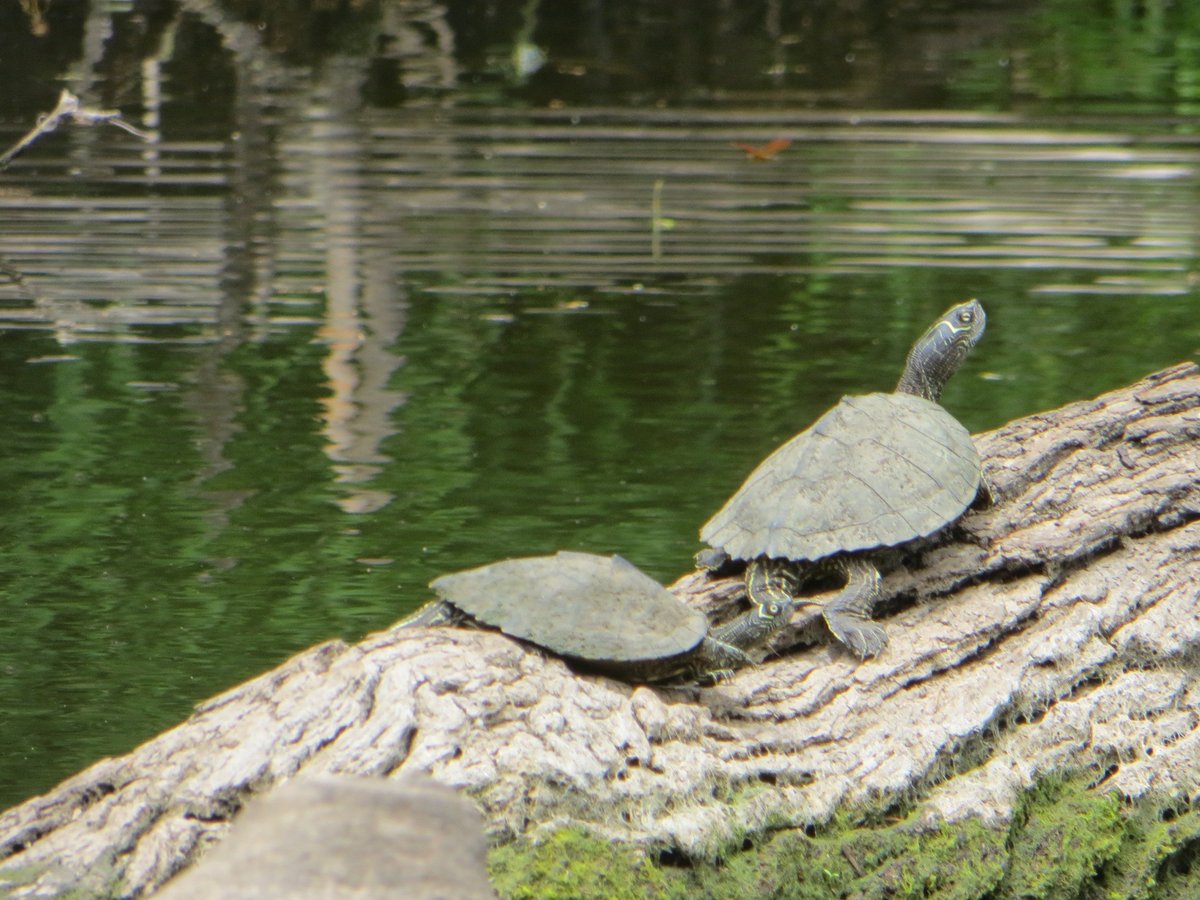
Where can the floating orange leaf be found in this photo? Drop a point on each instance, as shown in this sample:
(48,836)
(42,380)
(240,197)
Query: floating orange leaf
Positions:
(763,152)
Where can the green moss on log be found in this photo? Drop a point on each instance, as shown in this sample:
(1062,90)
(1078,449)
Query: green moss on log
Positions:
(1062,835)
(1066,840)
(1160,856)
(100,884)
(574,864)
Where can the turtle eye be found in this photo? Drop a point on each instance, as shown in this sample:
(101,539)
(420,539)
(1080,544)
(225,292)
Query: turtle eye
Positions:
(966,317)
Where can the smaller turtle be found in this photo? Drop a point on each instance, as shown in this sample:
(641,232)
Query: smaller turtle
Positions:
(600,612)
(876,471)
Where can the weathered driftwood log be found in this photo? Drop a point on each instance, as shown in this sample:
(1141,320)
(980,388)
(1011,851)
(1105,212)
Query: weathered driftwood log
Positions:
(1056,630)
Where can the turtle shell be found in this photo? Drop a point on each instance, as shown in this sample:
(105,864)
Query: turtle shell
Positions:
(875,471)
(594,608)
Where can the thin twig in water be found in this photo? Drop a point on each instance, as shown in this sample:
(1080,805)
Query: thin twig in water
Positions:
(68,108)
(656,220)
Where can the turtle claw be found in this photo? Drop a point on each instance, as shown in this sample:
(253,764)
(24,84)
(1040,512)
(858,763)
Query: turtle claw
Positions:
(716,676)
(987,496)
(861,637)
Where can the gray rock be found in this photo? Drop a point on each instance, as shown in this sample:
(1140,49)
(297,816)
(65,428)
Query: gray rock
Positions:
(343,837)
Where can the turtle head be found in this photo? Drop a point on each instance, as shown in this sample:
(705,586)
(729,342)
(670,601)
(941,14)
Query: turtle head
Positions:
(940,350)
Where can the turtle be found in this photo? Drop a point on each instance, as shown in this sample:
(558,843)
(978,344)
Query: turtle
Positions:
(876,471)
(601,612)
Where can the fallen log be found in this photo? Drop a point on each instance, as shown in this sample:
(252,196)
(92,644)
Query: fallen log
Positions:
(1055,631)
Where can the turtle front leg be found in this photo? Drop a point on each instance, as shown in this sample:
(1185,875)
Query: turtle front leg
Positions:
(848,615)
(717,660)
(987,496)
(433,614)
(770,584)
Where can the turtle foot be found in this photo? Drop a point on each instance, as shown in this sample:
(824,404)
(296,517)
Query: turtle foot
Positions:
(711,559)
(987,496)
(431,615)
(716,676)
(862,637)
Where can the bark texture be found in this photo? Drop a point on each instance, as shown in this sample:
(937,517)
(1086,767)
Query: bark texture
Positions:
(1055,630)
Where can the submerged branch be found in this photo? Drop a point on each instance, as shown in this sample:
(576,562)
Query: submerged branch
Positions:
(68,109)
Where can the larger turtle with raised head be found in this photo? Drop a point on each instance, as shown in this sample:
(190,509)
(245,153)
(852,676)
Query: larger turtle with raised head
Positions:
(601,612)
(876,471)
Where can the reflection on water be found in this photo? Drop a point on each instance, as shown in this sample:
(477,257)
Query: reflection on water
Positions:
(336,328)
(567,198)
(365,311)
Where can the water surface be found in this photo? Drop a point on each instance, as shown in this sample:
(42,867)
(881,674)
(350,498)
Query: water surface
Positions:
(320,339)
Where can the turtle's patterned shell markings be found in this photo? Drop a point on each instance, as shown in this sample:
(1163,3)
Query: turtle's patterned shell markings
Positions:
(594,608)
(875,471)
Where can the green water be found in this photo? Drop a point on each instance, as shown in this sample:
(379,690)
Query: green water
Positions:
(264,378)
(136,585)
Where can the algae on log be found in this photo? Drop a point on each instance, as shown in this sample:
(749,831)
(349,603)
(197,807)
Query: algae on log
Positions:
(1056,630)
